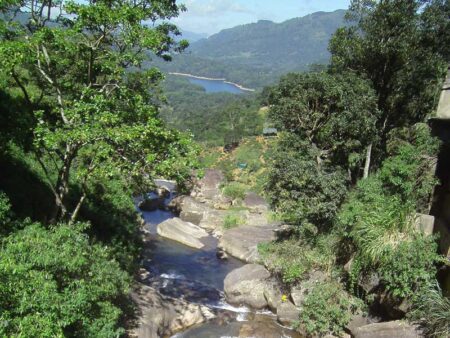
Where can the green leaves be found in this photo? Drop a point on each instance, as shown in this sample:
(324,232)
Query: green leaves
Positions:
(55,283)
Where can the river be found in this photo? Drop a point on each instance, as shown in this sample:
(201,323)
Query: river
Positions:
(215,85)
(197,276)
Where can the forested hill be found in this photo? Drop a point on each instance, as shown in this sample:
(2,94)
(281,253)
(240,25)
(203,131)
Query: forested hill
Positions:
(287,45)
(257,54)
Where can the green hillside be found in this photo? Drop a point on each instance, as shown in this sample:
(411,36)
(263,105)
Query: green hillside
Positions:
(257,54)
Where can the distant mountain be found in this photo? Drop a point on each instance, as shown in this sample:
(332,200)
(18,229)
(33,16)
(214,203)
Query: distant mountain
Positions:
(193,37)
(256,54)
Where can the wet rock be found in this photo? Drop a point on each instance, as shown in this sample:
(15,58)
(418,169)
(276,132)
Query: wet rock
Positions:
(242,242)
(394,329)
(184,232)
(220,254)
(255,203)
(287,313)
(246,286)
(265,329)
(161,316)
(175,205)
(151,204)
(273,295)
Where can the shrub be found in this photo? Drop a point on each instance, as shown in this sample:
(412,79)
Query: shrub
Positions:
(300,189)
(54,283)
(292,259)
(432,310)
(235,190)
(231,221)
(328,309)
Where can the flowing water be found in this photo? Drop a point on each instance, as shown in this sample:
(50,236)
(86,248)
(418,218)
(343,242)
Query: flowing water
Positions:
(197,276)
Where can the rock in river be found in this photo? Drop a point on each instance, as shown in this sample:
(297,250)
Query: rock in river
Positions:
(394,329)
(242,242)
(184,232)
(247,285)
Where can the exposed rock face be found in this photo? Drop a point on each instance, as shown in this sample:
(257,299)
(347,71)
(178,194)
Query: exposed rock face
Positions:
(287,313)
(163,316)
(358,321)
(395,329)
(184,232)
(255,203)
(192,210)
(246,286)
(208,188)
(242,242)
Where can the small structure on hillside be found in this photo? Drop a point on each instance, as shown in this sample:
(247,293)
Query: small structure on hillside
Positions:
(270,132)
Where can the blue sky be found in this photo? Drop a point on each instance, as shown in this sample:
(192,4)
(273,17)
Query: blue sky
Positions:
(211,16)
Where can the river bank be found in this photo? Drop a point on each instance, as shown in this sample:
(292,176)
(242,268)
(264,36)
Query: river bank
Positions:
(213,79)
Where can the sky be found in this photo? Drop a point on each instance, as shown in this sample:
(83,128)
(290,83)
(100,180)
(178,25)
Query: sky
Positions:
(211,16)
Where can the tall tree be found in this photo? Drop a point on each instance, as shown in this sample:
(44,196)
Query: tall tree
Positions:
(78,66)
(335,114)
(387,44)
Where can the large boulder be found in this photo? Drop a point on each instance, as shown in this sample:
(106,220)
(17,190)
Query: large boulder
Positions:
(394,329)
(255,203)
(192,210)
(287,313)
(208,188)
(299,292)
(246,286)
(184,232)
(242,242)
(163,316)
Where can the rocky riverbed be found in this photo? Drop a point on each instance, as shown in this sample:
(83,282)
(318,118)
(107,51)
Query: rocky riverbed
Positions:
(201,280)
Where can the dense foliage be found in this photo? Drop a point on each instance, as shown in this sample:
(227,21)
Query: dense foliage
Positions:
(79,135)
(55,283)
(213,118)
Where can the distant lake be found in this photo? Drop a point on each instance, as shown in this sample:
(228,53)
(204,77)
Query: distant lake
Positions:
(216,86)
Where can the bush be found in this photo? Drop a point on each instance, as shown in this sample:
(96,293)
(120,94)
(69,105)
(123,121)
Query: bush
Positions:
(232,221)
(55,283)
(328,309)
(301,190)
(432,310)
(292,259)
(235,190)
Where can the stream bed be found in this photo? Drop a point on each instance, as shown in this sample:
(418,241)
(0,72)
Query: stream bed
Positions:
(197,276)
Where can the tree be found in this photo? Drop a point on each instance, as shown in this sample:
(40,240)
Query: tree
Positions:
(54,283)
(78,66)
(390,45)
(335,114)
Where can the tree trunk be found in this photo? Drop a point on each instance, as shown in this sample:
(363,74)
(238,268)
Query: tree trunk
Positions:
(367,164)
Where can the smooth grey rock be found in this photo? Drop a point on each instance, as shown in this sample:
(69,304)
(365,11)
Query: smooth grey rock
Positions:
(273,295)
(425,224)
(246,286)
(184,232)
(394,329)
(242,242)
(255,203)
(192,211)
(163,316)
(357,321)
(208,188)
(287,313)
